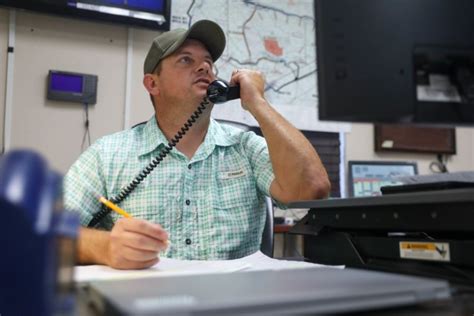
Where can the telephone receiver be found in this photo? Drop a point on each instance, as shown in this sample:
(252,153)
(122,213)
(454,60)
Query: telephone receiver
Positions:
(219,91)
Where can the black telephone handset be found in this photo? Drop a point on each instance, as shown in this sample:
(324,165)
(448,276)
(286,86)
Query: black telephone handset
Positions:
(218,91)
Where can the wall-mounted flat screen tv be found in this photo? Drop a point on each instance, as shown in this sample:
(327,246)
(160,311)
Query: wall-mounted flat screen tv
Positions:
(154,14)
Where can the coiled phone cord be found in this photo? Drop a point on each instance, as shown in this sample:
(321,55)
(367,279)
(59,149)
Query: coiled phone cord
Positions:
(155,162)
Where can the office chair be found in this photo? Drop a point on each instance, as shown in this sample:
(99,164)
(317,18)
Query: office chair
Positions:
(266,247)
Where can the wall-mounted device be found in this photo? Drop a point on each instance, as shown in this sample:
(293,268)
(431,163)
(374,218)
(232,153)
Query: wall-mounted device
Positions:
(72,87)
(153,14)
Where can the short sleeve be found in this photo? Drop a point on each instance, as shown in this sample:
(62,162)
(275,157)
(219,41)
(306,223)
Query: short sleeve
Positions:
(257,152)
(83,184)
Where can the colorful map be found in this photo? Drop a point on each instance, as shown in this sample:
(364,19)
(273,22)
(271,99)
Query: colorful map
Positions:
(274,36)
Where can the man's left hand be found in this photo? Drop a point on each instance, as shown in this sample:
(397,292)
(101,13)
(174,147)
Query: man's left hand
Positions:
(252,85)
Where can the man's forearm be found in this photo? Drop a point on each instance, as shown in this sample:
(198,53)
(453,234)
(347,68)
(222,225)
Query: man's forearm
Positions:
(299,173)
(93,246)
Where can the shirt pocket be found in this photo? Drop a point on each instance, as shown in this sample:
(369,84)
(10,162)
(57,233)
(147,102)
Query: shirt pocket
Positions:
(235,192)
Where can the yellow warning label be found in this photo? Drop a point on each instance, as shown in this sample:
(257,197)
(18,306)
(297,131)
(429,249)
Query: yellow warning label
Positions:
(418,245)
(437,251)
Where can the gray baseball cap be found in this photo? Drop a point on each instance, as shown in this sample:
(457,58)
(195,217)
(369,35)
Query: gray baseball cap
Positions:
(207,32)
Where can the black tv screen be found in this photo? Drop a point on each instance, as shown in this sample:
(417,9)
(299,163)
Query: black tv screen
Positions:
(396,61)
(153,14)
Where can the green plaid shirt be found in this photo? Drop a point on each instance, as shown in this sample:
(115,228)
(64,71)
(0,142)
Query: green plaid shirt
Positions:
(212,206)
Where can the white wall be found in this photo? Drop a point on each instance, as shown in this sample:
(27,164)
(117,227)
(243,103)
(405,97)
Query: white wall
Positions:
(360,146)
(46,42)
(55,129)
(141,109)
(3,67)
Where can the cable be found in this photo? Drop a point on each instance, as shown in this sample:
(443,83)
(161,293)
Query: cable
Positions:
(440,165)
(86,127)
(153,164)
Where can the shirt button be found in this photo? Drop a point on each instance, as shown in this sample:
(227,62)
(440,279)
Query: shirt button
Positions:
(188,202)
(188,241)
(189,167)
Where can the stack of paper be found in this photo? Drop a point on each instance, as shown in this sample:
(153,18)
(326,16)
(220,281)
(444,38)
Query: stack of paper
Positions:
(175,267)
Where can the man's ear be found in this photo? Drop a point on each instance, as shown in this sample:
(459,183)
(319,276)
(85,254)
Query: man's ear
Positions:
(149,81)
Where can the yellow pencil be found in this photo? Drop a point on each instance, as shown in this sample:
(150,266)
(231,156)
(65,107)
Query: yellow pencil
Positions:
(114,207)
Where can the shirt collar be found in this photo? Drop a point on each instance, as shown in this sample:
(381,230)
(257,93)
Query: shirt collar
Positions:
(217,135)
(152,137)
(221,135)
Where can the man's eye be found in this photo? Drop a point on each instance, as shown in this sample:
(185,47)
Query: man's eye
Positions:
(185,60)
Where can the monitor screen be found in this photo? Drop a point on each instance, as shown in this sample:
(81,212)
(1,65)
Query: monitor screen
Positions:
(367,177)
(66,83)
(396,61)
(154,14)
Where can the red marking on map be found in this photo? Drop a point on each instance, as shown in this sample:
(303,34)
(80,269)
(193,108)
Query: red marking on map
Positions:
(272,46)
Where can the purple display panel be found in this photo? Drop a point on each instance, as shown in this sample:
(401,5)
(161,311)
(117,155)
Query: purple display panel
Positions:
(66,83)
(147,5)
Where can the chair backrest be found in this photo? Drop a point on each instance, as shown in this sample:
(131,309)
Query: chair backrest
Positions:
(266,246)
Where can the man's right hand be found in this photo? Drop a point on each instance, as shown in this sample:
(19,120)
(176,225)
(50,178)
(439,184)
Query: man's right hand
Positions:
(132,244)
(135,244)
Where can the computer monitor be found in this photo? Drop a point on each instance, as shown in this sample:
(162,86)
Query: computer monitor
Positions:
(367,177)
(400,61)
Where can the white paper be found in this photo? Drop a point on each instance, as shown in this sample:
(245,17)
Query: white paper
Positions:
(174,267)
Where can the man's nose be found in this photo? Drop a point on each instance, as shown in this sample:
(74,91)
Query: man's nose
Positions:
(204,67)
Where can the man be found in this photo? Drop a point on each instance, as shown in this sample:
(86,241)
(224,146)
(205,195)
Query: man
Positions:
(206,198)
